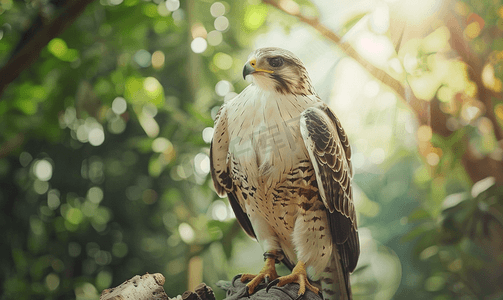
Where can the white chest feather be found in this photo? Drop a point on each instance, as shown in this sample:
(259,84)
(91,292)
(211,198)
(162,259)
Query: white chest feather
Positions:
(264,131)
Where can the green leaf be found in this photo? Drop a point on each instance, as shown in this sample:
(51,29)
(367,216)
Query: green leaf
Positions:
(140,91)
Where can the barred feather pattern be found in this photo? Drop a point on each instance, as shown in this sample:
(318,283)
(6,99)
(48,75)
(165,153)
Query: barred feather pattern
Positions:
(283,159)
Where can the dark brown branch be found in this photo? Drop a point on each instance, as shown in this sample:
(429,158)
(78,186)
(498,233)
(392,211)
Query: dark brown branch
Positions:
(31,51)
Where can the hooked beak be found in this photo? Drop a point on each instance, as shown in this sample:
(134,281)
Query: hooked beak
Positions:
(251,67)
(248,69)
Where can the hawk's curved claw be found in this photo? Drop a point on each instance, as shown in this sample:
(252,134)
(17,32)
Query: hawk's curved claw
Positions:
(236,277)
(298,276)
(247,292)
(271,284)
(267,273)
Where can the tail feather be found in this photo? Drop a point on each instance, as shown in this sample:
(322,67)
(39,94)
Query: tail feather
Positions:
(335,280)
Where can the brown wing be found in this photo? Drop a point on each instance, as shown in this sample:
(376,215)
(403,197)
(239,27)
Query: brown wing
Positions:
(220,170)
(330,154)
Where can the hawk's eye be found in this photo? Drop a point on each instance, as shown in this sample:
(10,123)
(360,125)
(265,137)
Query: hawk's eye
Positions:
(276,62)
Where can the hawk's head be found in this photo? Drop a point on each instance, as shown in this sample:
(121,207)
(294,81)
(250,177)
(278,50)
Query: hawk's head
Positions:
(278,70)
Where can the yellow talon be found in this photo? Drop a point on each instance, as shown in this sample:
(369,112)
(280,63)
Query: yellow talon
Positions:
(269,271)
(299,275)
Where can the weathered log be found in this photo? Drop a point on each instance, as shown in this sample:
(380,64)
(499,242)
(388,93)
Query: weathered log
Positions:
(149,287)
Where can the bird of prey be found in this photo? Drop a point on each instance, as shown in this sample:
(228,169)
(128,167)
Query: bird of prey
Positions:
(283,159)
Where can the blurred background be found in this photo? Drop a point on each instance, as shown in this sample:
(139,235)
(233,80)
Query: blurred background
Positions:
(106,115)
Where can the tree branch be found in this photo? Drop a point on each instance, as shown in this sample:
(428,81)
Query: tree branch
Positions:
(477,168)
(345,47)
(31,51)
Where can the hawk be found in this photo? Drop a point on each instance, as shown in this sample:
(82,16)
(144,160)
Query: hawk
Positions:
(283,159)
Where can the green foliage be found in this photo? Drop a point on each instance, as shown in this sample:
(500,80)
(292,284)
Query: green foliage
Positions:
(104,156)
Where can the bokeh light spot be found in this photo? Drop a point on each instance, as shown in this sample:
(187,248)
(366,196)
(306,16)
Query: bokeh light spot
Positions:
(433,159)
(202,163)
(222,60)
(119,249)
(103,280)
(172,5)
(377,156)
(473,30)
(424,133)
(161,144)
(95,194)
(187,234)
(162,10)
(215,37)
(198,30)
(96,136)
(223,87)
(221,23)
(142,58)
(208,134)
(25,158)
(52,281)
(255,16)
(57,47)
(53,200)
(40,187)
(217,9)
(219,210)
(158,59)
(43,170)
(119,105)
(74,216)
(198,45)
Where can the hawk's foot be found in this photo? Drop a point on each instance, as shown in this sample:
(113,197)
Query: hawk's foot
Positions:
(299,275)
(267,273)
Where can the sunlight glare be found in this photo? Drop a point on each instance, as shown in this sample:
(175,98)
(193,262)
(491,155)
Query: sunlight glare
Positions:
(371,89)
(380,19)
(377,156)
(416,11)
(376,49)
